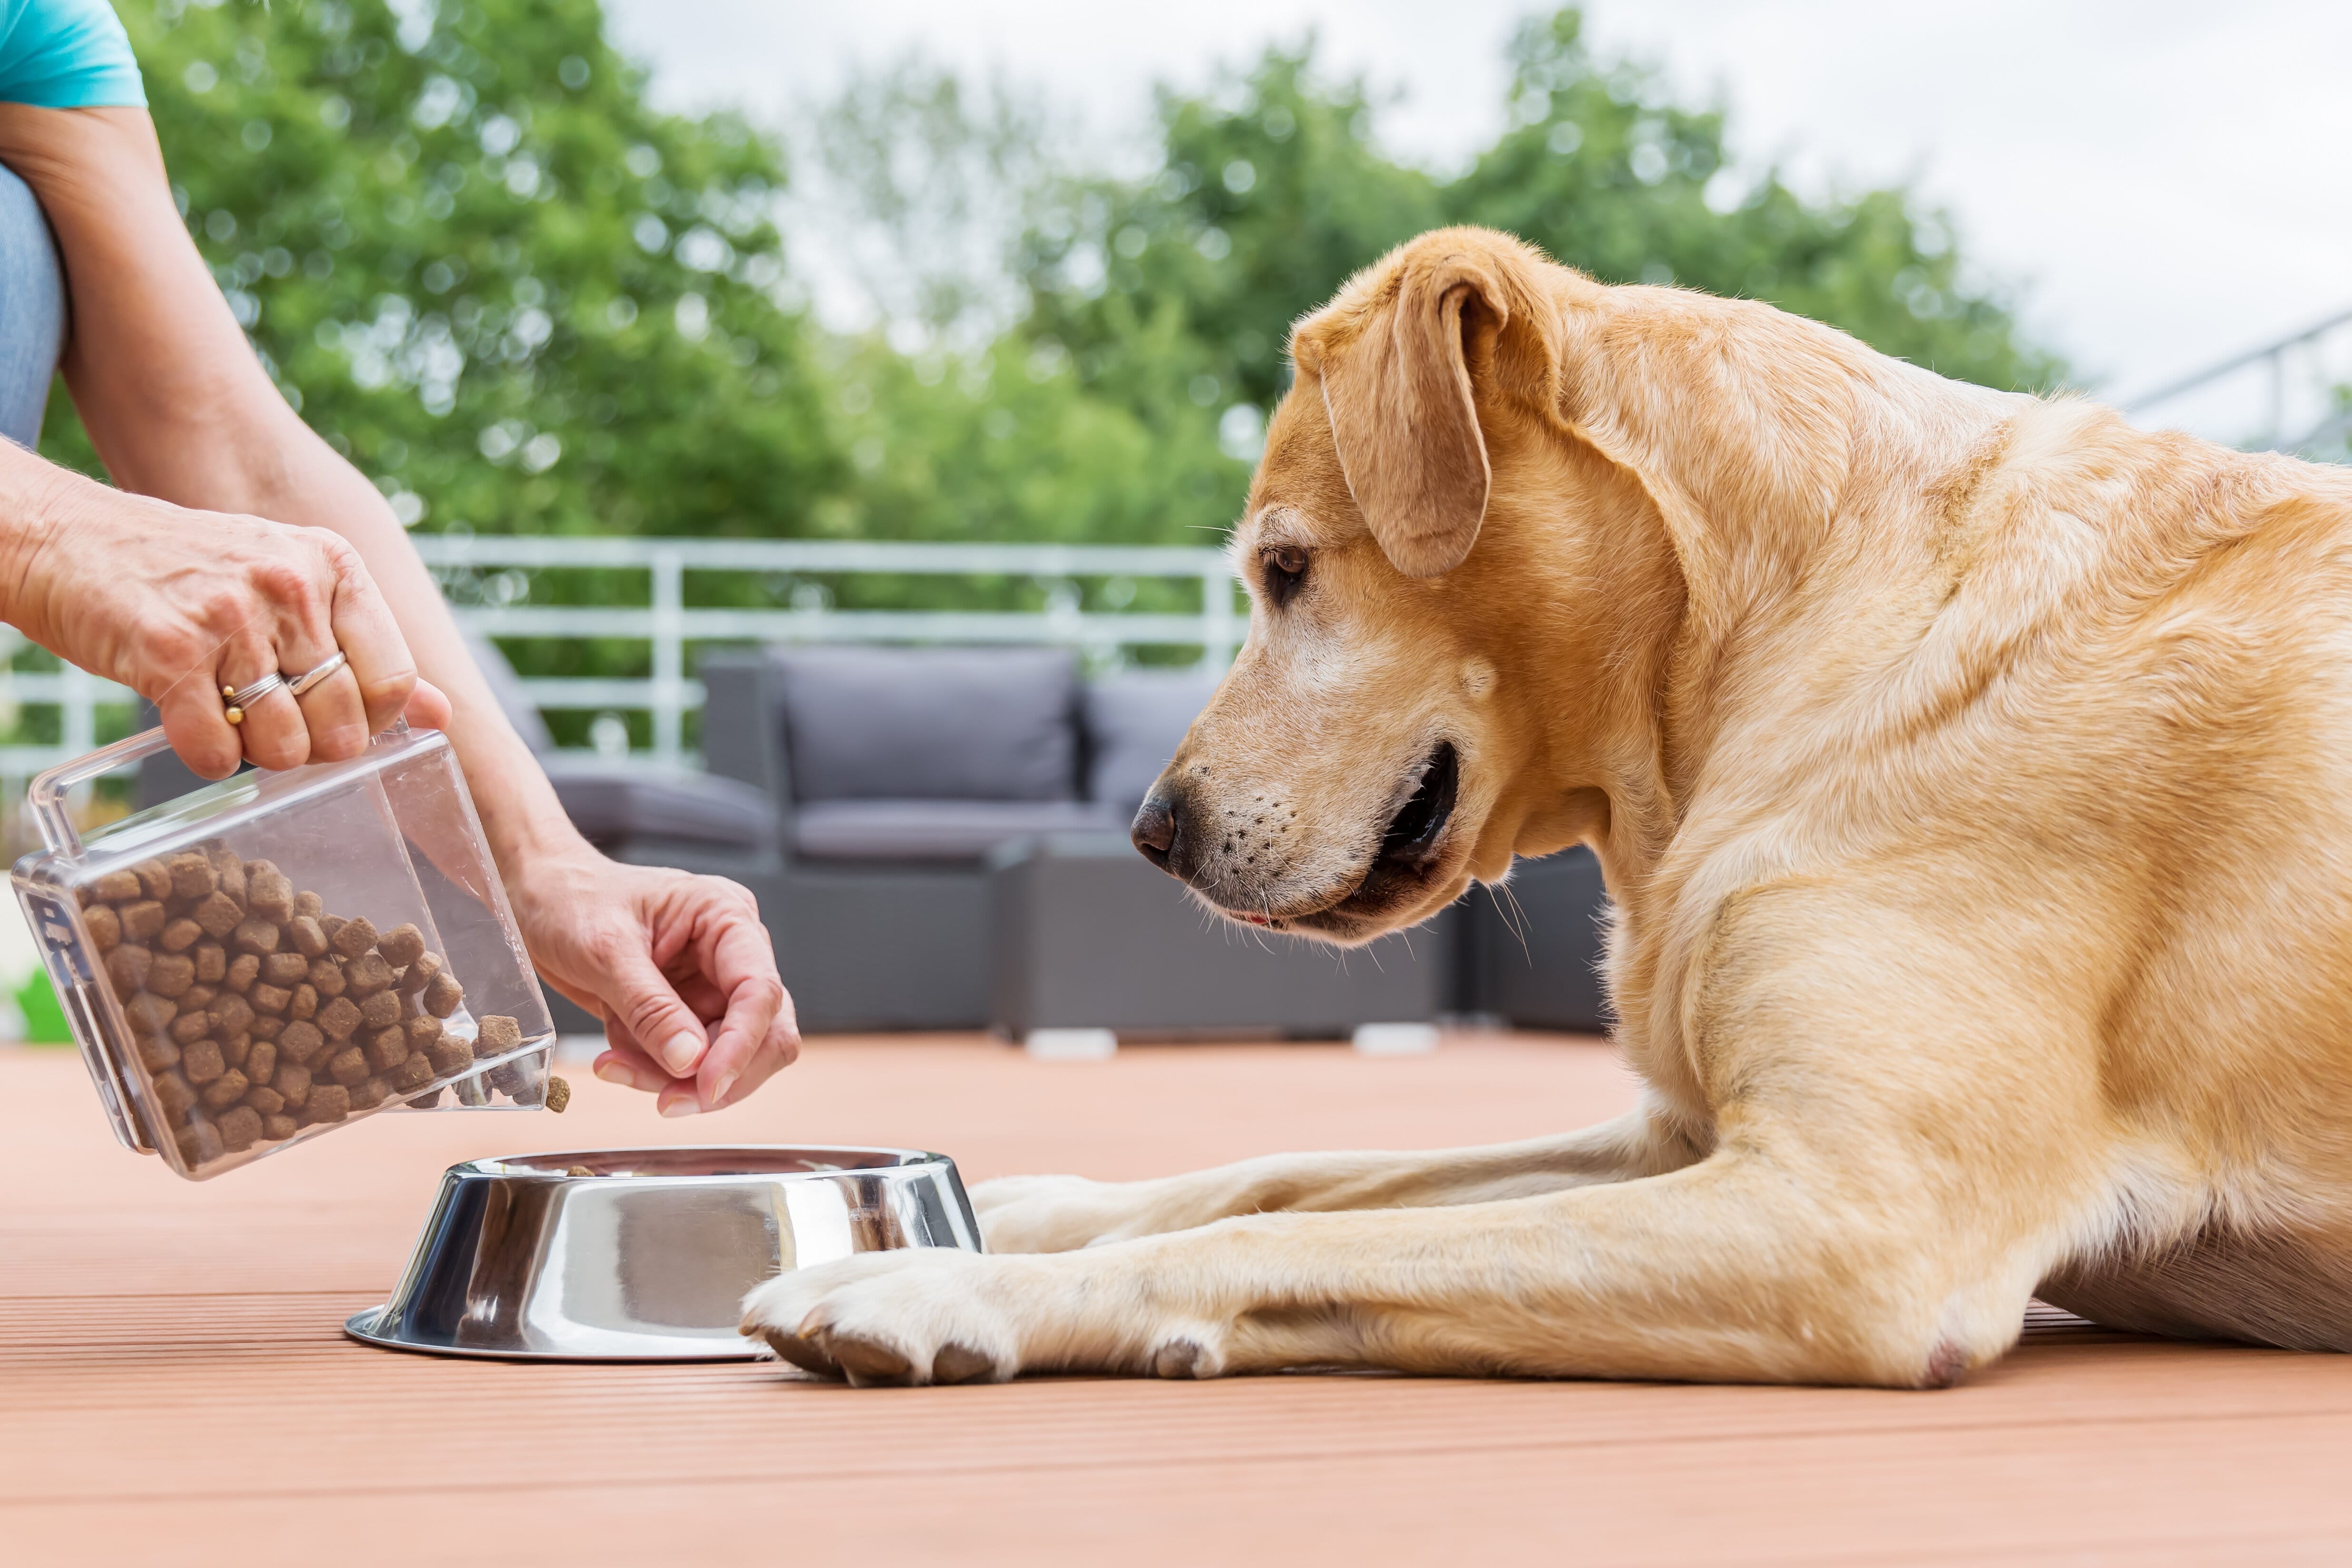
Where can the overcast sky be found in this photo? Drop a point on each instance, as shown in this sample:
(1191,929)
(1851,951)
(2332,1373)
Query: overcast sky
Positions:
(2168,182)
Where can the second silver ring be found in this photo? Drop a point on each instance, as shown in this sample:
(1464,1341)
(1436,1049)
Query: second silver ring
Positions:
(312,677)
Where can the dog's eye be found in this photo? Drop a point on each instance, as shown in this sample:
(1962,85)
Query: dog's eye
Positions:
(1285,570)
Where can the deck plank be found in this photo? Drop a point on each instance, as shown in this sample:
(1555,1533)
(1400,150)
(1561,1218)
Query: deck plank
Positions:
(174,1386)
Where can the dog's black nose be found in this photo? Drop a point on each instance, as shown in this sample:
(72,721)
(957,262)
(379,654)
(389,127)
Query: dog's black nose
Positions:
(1154,833)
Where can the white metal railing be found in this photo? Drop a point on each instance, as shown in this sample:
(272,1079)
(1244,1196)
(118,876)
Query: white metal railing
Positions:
(2282,396)
(668,623)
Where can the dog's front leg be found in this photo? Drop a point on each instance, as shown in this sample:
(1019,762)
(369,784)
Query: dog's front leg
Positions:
(1061,1213)
(1737,1269)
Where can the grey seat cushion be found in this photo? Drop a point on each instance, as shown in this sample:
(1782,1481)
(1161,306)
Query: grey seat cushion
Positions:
(1135,721)
(937,829)
(610,807)
(929,724)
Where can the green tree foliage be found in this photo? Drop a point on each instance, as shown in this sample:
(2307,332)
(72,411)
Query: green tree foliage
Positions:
(484,269)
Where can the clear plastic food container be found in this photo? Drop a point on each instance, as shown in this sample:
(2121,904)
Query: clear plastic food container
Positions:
(279,954)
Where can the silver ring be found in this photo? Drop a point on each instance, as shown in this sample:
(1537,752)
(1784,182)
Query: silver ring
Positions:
(308,678)
(254,693)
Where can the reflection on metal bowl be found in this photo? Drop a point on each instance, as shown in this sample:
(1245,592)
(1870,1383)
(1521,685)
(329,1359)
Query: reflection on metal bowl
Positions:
(645,1254)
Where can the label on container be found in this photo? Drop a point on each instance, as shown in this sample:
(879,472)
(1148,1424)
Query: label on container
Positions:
(53,923)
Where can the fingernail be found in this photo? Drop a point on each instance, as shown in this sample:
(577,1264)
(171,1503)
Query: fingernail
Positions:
(719,1090)
(679,1054)
(683,1105)
(615,1073)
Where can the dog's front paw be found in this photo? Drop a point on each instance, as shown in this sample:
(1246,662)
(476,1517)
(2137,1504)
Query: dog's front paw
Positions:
(924,1315)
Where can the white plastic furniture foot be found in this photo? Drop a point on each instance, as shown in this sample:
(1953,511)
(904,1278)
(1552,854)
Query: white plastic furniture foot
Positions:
(1071,1044)
(1395,1039)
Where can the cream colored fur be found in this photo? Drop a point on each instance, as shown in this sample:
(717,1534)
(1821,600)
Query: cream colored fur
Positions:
(1973,775)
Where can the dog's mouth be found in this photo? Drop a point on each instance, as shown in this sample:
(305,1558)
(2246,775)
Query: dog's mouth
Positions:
(1411,848)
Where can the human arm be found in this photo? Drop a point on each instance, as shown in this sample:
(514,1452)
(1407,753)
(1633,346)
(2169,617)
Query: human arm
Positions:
(179,409)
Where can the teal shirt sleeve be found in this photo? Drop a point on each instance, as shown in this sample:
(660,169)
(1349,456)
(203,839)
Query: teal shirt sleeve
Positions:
(66,54)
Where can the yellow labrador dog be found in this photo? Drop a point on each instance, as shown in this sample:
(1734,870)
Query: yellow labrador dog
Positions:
(1973,777)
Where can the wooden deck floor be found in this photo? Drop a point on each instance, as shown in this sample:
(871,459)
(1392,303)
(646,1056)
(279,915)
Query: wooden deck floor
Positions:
(175,1389)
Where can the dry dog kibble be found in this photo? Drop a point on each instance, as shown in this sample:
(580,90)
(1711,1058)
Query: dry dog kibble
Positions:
(387,1048)
(441,996)
(370,1093)
(423,1032)
(240,1127)
(348,1066)
(200,1142)
(450,1054)
(299,1042)
(190,1027)
(202,1062)
(172,1092)
(292,1083)
(142,921)
(154,880)
(217,914)
(304,1002)
(559,1095)
(287,969)
(269,998)
(149,1013)
(308,938)
(236,1048)
(379,1010)
(353,938)
(268,892)
(280,1128)
(169,974)
(338,1017)
(328,1103)
(497,1035)
(308,906)
(231,1014)
(105,925)
(367,974)
(266,1028)
(227,1089)
(327,977)
(127,968)
(117,886)
(261,1061)
(265,1099)
(402,946)
(179,934)
(193,877)
(255,937)
(156,1053)
(419,973)
(212,963)
(243,970)
(415,1070)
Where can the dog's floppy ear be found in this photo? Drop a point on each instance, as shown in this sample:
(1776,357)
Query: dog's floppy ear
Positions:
(1402,416)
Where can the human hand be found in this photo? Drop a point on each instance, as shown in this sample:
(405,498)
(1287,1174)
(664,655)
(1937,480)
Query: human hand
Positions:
(176,603)
(678,966)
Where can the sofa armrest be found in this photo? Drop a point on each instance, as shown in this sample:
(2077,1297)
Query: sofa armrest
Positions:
(742,732)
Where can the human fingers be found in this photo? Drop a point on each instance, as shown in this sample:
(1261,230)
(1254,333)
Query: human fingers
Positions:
(741,964)
(197,727)
(632,1069)
(298,582)
(428,707)
(380,667)
(269,726)
(640,1001)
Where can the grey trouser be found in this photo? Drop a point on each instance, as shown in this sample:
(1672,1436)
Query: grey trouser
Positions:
(32,311)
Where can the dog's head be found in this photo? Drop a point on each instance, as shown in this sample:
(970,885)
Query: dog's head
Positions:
(1416,543)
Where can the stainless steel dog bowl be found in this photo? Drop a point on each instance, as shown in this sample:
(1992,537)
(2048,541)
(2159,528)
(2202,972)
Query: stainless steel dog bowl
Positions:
(645,1254)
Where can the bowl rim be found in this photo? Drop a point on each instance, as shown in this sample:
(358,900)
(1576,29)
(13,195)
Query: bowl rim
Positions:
(886,1159)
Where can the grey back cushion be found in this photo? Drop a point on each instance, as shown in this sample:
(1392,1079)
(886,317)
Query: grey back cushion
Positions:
(507,687)
(1135,722)
(930,724)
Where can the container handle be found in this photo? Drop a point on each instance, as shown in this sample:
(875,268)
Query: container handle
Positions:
(47,794)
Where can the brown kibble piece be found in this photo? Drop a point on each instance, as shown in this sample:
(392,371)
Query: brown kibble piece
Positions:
(172,1092)
(367,974)
(287,969)
(441,996)
(154,880)
(414,1073)
(118,887)
(218,914)
(269,999)
(190,1027)
(470,1092)
(149,1014)
(559,1095)
(254,936)
(427,1101)
(292,1083)
(300,1042)
(105,925)
(193,876)
(304,1003)
(328,1103)
(327,977)
(338,1017)
(196,996)
(387,1048)
(169,974)
(309,906)
(233,1014)
(380,1010)
(243,970)
(496,1035)
(229,869)
(348,1066)
(450,1054)
(422,1033)
(236,1048)
(308,938)
(265,1099)
(355,938)
(200,1144)
(260,1063)
(279,1128)
(202,1062)
(240,1128)
(331,924)
(270,896)
(227,1089)
(370,1093)
(179,934)
(157,1053)
(142,921)
(212,963)
(419,974)
(401,946)
(127,966)
(265,1028)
